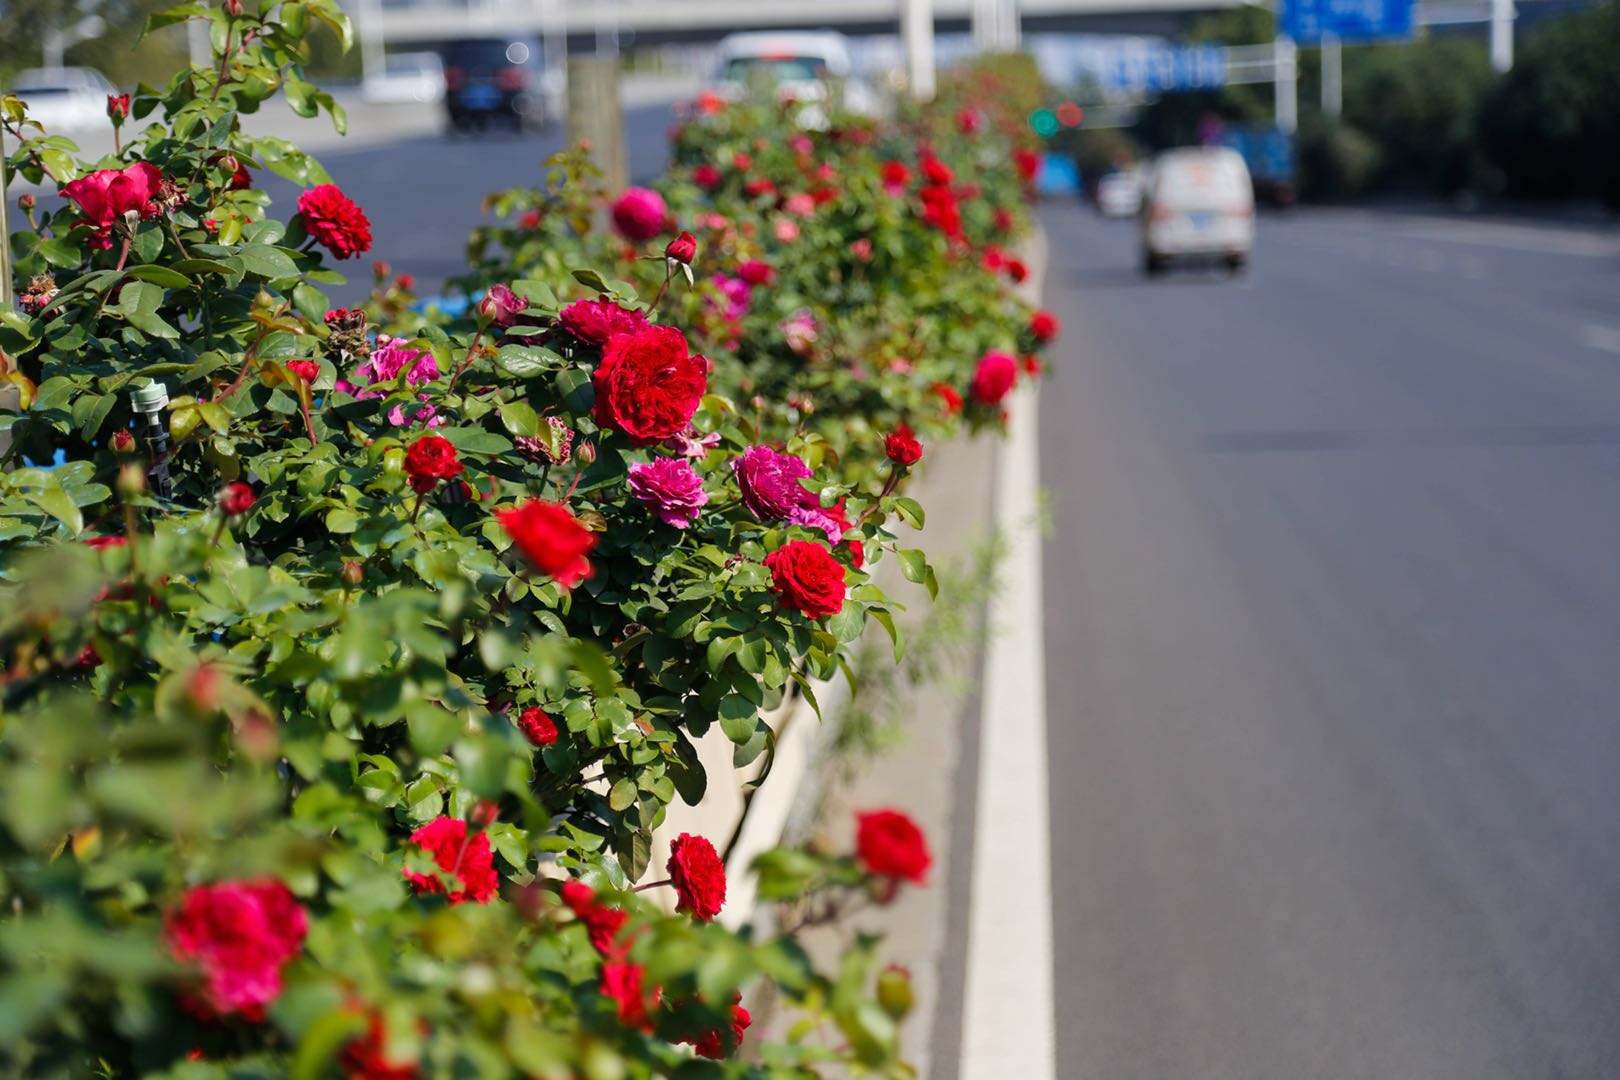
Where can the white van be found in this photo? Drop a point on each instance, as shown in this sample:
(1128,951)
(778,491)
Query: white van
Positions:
(1199,205)
(799,64)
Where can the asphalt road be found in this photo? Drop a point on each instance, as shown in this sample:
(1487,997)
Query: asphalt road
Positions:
(1332,628)
(424,195)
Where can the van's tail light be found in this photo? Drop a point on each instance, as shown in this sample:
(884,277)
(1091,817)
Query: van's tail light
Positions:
(512,79)
(454,78)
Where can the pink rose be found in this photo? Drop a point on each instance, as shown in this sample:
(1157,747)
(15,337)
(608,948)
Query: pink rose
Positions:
(639,214)
(671,487)
(105,196)
(595,321)
(769,481)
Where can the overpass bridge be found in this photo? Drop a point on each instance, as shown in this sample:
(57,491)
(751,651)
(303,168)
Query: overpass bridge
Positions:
(668,21)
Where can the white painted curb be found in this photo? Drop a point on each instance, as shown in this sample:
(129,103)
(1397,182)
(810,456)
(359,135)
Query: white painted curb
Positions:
(1007,1027)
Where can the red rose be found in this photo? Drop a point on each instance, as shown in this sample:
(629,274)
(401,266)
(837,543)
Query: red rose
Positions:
(241,179)
(596,321)
(235,498)
(754,272)
(1031,365)
(968,121)
(335,222)
(948,397)
(806,578)
(940,210)
(537,726)
(308,370)
(529,220)
(1028,164)
(706,176)
(602,923)
(551,538)
(713,1044)
(104,197)
(889,844)
(467,859)
(366,1058)
(648,385)
(1003,219)
(1017,270)
(430,459)
(698,875)
(1044,326)
(502,306)
(239,935)
(936,172)
(756,188)
(682,249)
(902,446)
(995,376)
(626,985)
(895,176)
(117,108)
(741,161)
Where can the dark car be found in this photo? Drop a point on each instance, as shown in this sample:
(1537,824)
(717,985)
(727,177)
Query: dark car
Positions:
(494,79)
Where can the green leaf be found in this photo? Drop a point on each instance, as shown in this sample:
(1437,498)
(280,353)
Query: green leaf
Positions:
(592,280)
(520,418)
(59,252)
(59,504)
(160,275)
(526,361)
(342,520)
(737,718)
(267,262)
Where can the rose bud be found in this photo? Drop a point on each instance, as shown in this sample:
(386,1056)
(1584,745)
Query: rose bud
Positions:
(26,202)
(202,687)
(486,812)
(123,442)
(901,446)
(353,573)
(501,306)
(117,108)
(894,991)
(381,269)
(682,249)
(235,498)
(233,8)
(585,452)
(131,480)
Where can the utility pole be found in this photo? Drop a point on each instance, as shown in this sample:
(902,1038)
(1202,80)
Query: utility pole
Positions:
(917,28)
(1332,76)
(1502,35)
(373,47)
(1284,58)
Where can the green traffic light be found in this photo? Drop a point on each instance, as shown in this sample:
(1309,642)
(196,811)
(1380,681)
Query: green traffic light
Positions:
(1044,122)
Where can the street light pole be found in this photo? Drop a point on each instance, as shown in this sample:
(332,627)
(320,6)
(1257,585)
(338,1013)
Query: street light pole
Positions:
(1332,76)
(1284,54)
(917,27)
(1502,35)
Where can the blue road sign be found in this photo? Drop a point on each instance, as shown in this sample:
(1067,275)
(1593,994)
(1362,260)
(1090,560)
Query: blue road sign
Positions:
(1306,21)
(1155,67)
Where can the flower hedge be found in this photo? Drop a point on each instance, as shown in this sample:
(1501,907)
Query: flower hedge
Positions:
(346,686)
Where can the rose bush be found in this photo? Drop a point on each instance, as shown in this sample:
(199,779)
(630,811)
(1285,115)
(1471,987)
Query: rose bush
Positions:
(344,689)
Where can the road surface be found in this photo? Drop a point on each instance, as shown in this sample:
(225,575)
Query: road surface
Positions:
(424,194)
(1332,638)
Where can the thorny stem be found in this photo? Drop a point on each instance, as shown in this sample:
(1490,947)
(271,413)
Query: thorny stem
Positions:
(123,253)
(224,61)
(247,363)
(652,885)
(472,354)
(668,275)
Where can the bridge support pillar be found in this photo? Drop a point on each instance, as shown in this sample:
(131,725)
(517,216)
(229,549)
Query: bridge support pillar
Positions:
(917,27)
(1285,59)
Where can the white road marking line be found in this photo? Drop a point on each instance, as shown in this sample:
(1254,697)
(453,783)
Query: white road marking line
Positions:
(1543,239)
(1606,338)
(1007,1028)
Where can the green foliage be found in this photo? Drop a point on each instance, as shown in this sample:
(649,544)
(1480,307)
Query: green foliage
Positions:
(1551,126)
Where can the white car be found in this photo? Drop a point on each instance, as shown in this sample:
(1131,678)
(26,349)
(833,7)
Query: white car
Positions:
(803,65)
(65,99)
(1119,193)
(1199,205)
(406,78)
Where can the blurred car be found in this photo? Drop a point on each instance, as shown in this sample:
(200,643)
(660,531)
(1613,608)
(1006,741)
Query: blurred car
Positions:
(1199,206)
(495,79)
(405,78)
(67,98)
(807,66)
(1119,193)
